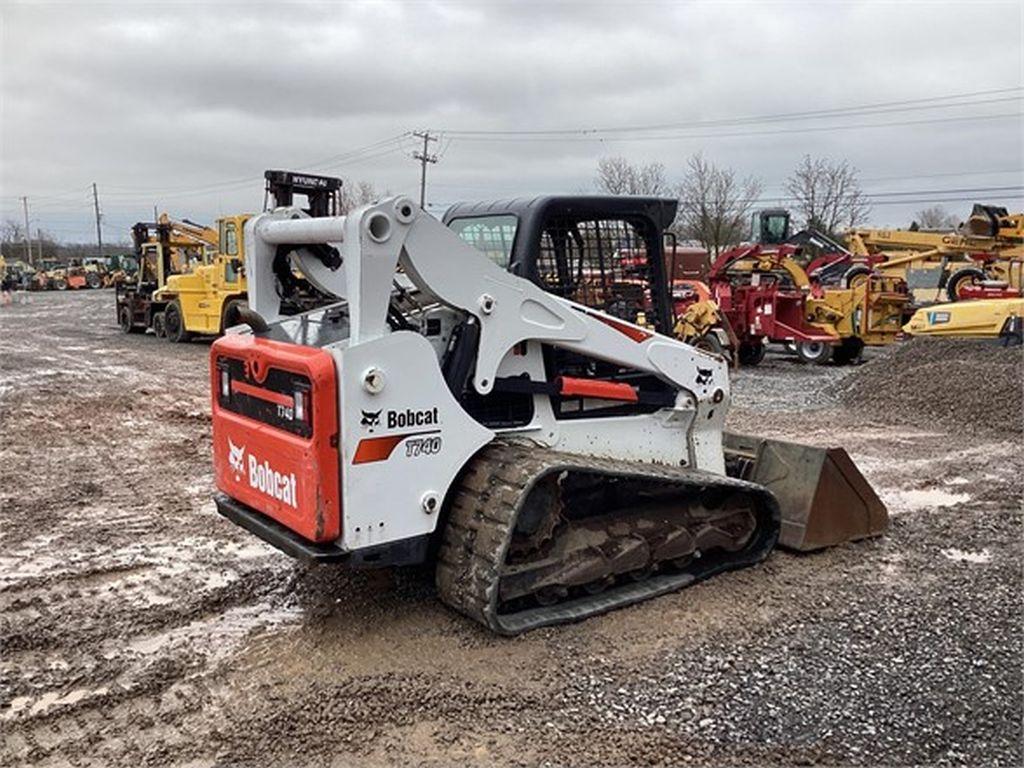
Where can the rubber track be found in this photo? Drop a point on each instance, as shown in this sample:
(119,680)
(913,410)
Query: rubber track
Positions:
(482,518)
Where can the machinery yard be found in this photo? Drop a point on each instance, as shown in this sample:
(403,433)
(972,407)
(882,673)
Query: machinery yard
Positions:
(138,626)
(558,390)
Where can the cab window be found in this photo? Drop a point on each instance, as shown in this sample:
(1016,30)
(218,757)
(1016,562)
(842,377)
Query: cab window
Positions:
(491,235)
(599,263)
(229,238)
(776,229)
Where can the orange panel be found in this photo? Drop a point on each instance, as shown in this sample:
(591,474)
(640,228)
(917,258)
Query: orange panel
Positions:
(292,479)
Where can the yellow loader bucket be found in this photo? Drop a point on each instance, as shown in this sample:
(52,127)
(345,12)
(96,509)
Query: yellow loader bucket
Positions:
(824,498)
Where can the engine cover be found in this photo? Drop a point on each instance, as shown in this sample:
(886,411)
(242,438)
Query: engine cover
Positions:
(275,432)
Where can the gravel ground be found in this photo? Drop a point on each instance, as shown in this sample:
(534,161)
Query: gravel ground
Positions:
(959,384)
(139,628)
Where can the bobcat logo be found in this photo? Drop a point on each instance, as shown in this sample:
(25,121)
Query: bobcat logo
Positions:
(236,457)
(371,419)
(704,376)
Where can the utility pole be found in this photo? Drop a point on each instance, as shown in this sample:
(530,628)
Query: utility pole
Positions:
(99,231)
(39,243)
(424,157)
(28,233)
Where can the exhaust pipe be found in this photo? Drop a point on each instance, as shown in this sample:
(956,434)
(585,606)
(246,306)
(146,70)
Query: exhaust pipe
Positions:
(823,497)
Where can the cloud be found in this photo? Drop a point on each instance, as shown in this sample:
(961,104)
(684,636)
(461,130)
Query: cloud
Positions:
(151,100)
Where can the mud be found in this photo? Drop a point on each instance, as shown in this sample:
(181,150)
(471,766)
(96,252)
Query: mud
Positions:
(139,628)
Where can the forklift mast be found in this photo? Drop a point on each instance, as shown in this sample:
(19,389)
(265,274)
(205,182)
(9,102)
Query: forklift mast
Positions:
(141,236)
(322,193)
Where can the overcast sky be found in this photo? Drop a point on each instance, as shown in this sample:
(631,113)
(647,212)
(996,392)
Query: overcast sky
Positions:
(183,106)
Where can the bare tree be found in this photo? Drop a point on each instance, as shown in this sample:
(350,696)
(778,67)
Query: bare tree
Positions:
(617,176)
(355,194)
(936,217)
(11,232)
(715,206)
(828,195)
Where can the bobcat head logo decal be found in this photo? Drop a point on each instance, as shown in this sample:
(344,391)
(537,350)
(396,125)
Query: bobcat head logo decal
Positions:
(236,457)
(704,375)
(370,419)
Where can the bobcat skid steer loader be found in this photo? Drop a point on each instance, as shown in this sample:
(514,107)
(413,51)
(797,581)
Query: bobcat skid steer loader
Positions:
(513,417)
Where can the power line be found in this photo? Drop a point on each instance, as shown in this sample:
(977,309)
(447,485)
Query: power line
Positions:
(682,137)
(875,197)
(224,186)
(342,157)
(390,144)
(876,108)
(1017,171)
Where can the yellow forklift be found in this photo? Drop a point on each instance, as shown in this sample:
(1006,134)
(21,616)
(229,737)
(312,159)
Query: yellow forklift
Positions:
(163,248)
(207,300)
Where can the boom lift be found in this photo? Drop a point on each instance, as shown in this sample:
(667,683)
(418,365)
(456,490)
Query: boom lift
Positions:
(984,259)
(978,319)
(553,459)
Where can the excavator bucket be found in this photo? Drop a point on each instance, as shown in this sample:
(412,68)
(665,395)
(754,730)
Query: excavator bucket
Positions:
(823,497)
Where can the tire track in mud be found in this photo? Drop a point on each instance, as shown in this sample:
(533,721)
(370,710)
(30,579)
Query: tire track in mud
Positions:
(118,583)
(139,628)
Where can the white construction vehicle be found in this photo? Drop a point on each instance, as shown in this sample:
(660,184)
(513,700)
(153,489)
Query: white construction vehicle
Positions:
(480,411)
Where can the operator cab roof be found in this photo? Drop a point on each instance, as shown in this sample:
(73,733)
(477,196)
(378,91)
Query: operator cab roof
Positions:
(660,210)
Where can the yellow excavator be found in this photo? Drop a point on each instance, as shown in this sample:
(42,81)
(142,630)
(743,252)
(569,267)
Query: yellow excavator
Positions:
(983,259)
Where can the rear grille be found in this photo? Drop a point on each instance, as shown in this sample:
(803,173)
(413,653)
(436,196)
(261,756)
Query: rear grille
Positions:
(270,401)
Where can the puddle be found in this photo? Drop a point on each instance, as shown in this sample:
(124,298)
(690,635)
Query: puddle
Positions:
(911,501)
(962,556)
(216,636)
(50,699)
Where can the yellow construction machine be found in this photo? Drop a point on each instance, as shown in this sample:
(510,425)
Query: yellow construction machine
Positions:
(984,259)
(869,312)
(209,298)
(163,248)
(979,319)
(205,300)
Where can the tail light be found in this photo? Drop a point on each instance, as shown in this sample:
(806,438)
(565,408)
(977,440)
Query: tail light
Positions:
(301,405)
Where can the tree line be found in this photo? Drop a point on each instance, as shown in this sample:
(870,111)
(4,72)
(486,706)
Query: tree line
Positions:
(715,204)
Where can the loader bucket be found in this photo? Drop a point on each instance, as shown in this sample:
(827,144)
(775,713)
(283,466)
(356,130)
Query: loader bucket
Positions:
(824,498)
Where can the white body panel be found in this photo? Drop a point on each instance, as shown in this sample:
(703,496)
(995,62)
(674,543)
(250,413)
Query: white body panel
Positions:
(383,501)
(381,371)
